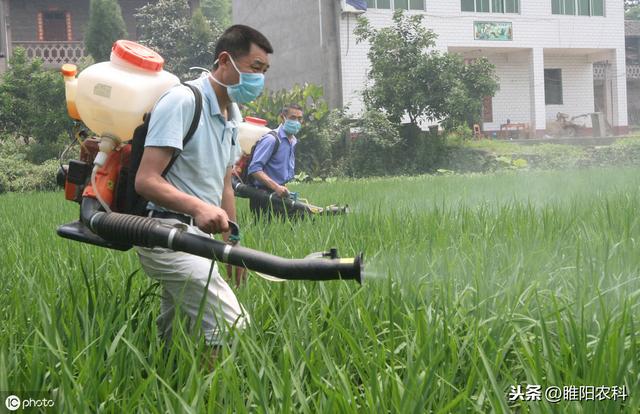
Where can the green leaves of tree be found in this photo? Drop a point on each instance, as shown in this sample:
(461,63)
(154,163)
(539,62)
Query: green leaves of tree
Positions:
(182,39)
(105,26)
(217,11)
(409,78)
(32,103)
(320,132)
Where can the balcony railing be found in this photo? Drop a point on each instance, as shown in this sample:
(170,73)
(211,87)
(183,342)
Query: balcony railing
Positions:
(599,70)
(54,54)
(633,71)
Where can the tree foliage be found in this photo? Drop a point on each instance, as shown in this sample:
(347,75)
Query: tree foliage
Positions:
(410,79)
(632,10)
(32,102)
(633,13)
(182,39)
(320,133)
(217,11)
(105,26)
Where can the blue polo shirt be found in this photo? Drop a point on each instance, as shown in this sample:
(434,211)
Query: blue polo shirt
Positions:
(281,167)
(201,167)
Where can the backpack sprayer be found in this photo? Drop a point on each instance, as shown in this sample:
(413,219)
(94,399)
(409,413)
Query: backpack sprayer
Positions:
(111,98)
(292,204)
(249,134)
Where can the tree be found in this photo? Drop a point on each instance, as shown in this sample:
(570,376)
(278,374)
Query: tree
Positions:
(32,102)
(410,79)
(105,26)
(630,3)
(181,39)
(321,131)
(632,13)
(217,11)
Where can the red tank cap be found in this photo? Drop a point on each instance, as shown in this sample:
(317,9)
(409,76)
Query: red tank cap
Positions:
(257,121)
(137,54)
(69,69)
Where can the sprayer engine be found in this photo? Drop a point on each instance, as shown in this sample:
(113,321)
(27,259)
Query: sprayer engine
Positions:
(109,180)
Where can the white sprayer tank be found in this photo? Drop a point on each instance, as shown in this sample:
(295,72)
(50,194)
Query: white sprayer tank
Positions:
(112,97)
(250,131)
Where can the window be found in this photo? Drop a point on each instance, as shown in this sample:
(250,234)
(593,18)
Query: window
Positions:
(396,4)
(490,6)
(482,6)
(512,6)
(54,25)
(578,7)
(553,86)
(378,4)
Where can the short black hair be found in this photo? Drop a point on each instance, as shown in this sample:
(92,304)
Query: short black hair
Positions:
(285,109)
(237,40)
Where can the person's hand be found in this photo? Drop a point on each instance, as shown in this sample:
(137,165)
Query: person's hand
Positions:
(282,191)
(211,219)
(236,274)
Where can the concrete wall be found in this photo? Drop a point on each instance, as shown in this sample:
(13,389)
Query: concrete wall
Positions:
(5,39)
(304,35)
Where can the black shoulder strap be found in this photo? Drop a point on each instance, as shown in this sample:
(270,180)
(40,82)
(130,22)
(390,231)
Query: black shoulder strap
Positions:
(275,148)
(192,127)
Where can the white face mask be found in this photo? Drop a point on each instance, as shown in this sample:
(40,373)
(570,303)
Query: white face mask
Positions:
(248,88)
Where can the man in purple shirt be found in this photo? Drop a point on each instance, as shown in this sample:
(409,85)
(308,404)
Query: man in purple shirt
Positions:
(273,163)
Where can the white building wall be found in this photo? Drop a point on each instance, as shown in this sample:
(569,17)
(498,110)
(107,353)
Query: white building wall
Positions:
(535,28)
(577,87)
(512,101)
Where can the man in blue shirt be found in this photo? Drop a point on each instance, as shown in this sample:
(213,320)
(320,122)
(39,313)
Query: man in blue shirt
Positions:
(196,193)
(273,164)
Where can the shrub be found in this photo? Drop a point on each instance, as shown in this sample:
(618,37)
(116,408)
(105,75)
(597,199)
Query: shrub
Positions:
(321,138)
(376,147)
(19,175)
(32,102)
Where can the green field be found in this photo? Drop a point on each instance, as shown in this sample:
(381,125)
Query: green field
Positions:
(474,284)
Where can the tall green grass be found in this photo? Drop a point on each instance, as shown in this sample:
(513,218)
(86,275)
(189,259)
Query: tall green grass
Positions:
(475,283)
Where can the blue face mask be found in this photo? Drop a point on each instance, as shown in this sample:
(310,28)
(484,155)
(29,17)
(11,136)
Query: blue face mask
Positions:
(249,87)
(291,127)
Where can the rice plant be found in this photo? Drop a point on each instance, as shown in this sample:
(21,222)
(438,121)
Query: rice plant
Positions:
(474,285)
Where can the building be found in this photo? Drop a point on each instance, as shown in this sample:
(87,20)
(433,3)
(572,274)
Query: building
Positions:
(53,30)
(544,51)
(632,51)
